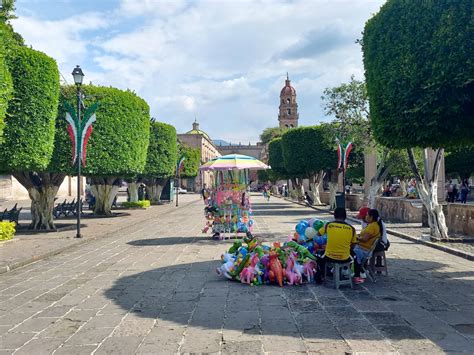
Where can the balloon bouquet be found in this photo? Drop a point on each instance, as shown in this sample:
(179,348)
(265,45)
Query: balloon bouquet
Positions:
(251,262)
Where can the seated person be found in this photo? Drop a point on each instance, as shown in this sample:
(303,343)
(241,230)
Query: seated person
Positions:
(367,237)
(383,243)
(308,198)
(340,237)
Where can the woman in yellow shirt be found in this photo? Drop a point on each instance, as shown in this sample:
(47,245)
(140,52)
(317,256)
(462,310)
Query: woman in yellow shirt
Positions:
(366,239)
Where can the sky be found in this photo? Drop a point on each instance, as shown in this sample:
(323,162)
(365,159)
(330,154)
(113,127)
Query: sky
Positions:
(223,62)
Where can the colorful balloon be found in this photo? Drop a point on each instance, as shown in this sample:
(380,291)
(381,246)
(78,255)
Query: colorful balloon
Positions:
(310,233)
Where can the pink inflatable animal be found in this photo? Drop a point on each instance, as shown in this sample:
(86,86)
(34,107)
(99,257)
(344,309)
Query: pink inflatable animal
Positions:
(309,269)
(248,273)
(292,276)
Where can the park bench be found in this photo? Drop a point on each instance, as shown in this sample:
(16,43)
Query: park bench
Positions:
(11,215)
(66,209)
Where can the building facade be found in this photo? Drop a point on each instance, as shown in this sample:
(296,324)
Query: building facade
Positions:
(198,139)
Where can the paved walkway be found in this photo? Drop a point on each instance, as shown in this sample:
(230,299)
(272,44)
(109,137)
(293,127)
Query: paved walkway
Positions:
(151,288)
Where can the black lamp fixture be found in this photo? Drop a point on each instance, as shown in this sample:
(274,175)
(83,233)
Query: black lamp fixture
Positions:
(78,75)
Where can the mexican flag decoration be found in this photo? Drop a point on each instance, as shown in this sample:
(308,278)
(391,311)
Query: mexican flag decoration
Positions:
(180,166)
(80,130)
(343,154)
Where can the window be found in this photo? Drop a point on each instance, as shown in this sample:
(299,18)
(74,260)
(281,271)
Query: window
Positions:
(288,101)
(287,126)
(288,112)
(291,126)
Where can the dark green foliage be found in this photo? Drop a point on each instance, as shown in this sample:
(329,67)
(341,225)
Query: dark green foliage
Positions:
(162,151)
(7,10)
(267,175)
(120,137)
(419,66)
(308,150)
(460,162)
(269,133)
(275,158)
(6,85)
(29,124)
(192,162)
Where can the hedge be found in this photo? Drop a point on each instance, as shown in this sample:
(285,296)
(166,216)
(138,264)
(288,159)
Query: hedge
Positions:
(275,158)
(162,151)
(29,124)
(7,230)
(140,204)
(192,160)
(419,68)
(119,141)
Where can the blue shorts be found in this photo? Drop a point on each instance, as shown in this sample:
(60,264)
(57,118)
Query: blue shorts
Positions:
(360,253)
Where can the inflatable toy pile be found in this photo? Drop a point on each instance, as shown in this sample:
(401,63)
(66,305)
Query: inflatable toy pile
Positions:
(293,263)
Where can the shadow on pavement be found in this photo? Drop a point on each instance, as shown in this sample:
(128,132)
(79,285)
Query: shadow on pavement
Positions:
(397,308)
(173,241)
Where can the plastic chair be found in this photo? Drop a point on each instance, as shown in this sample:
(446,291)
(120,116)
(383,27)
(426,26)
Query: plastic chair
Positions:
(373,261)
(338,278)
(365,262)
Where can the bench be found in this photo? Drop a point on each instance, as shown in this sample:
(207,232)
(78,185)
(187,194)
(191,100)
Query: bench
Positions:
(66,209)
(11,215)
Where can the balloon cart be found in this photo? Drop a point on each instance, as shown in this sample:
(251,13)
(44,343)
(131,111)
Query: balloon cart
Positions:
(228,209)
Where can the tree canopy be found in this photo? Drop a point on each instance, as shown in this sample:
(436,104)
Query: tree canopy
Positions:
(162,151)
(275,158)
(308,150)
(6,85)
(192,160)
(119,143)
(460,162)
(269,133)
(31,113)
(419,68)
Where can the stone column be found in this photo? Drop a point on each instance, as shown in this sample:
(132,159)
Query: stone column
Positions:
(370,169)
(441,175)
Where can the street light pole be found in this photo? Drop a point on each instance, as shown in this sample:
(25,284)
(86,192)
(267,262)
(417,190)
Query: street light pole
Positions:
(78,75)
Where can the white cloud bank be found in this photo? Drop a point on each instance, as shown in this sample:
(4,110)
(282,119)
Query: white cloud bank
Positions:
(224,61)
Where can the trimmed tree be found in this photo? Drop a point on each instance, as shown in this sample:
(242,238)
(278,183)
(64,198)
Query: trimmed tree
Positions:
(30,126)
(192,160)
(419,71)
(119,142)
(277,163)
(6,85)
(161,159)
(307,153)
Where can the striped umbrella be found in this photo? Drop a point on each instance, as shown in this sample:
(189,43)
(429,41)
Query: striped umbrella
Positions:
(234,161)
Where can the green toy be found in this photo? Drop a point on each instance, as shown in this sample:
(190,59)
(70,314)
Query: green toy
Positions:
(301,250)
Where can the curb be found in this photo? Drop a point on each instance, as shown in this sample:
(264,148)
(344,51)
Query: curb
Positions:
(33,259)
(462,254)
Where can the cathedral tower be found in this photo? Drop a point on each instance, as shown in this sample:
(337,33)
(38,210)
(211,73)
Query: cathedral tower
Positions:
(288,116)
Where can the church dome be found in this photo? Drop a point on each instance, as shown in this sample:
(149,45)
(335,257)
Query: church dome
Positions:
(287,89)
(196,130)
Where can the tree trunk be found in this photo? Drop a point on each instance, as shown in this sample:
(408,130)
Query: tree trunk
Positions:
(133,191)
(298,187)
(154,187)
(427,187)
(154,192)
(104,191)
(373,191)
(42,189)
(377,180)
(333,187)
(403,187)
(314,183)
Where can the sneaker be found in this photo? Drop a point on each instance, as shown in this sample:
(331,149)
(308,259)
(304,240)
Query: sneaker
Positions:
(358,280)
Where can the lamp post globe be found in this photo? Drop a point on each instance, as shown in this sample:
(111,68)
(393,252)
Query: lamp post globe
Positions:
(78,75)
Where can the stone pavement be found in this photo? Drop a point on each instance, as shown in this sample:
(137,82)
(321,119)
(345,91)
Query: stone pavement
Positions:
(151,288)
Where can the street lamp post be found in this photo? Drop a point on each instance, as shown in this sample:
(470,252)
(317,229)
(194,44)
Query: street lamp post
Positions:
(78,75)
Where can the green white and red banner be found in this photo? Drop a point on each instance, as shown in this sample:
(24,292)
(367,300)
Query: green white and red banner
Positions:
(80,130)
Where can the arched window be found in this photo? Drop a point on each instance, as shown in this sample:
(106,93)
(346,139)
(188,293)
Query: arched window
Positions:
(291,126)
(288,112)
(287,126)
(288,101)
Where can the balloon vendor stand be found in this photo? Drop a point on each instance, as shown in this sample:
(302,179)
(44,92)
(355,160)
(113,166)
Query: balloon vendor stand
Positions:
(228,208)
